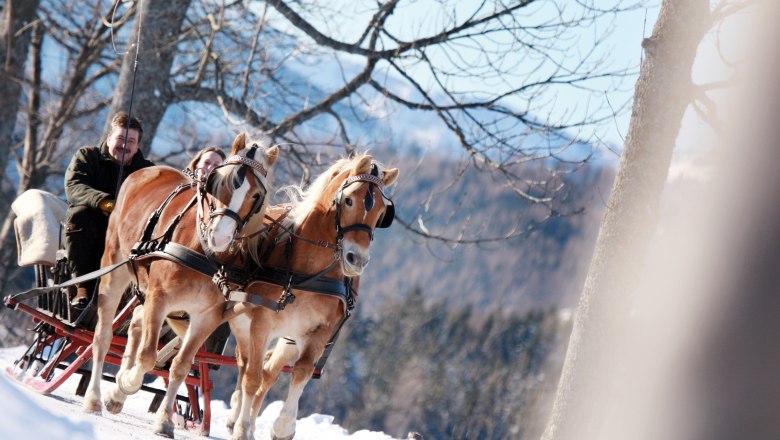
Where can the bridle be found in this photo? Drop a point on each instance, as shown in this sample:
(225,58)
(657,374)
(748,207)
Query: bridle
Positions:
(384,222)
(368,203)
(206,189)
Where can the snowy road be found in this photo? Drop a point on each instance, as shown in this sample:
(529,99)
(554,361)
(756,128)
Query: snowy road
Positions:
(59,416)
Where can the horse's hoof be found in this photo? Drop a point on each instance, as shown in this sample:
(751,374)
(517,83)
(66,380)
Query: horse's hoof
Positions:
(164,429)
(92,406)
(122,386)
(229,426)
(240,434)
(288,437)
(114,406)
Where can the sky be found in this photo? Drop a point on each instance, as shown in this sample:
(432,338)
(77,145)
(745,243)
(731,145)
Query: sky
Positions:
(620,49)
(27,414)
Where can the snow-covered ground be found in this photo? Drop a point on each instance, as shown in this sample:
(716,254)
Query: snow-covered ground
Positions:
(59,416)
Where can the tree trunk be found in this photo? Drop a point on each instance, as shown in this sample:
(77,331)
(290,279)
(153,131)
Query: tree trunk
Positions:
(663,92)
(28,174)
(13,56)
(725,383)
(160,22)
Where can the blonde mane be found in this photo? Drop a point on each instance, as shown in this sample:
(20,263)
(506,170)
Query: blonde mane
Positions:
(303,201)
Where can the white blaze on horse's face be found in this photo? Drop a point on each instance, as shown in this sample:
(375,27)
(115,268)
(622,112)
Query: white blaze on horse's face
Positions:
(355,245)
(238,188)
(222,228)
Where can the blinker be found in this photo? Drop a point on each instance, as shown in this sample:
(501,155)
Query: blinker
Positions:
(239,178)
(368,202)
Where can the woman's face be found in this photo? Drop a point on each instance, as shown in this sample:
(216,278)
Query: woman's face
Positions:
(207,162)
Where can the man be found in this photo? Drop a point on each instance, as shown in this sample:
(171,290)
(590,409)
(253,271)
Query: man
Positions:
(90,186)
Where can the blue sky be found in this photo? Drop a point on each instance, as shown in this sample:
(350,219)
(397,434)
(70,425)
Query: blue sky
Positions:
(344,20)
(620,49)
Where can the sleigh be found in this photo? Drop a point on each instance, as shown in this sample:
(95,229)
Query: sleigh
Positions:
(62,335)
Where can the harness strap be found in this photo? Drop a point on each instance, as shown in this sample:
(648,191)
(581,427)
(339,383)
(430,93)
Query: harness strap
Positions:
(38,291)
(319,366)
(176,253)
(258,300)
(155,217)
(168,235)
(309,283)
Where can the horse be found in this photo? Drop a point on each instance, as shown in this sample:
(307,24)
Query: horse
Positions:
(233,201)
(329,231)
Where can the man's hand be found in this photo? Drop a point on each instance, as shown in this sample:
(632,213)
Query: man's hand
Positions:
(106,205)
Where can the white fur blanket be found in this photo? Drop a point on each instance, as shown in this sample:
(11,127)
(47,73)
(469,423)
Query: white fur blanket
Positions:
(37,226)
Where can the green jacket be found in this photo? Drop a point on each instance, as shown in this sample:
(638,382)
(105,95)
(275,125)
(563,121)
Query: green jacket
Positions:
(92,175)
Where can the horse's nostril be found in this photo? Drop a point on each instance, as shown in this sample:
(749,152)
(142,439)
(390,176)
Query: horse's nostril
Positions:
(351,257)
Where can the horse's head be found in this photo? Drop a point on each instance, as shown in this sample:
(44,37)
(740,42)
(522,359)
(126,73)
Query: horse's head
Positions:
(361,205)
(237,192)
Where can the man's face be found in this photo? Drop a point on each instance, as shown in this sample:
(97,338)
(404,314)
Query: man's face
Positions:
(117,138)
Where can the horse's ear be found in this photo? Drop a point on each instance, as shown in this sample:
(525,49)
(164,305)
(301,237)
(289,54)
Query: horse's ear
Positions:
(389,176)
(238,143)
(272,154)
(363,166)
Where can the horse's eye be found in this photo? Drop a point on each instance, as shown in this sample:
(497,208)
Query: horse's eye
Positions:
(348,201)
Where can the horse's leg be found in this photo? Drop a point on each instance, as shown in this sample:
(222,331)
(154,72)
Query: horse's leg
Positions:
(110,293)
(199,329)
(130,381)
(243,430)
(239,326)
(284,425)
(115,398)
(284,353)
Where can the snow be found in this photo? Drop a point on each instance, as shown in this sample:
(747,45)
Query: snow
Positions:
(59,416)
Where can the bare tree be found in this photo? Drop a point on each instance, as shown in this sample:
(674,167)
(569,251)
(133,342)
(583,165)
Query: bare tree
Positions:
(14,44)
(704,363)
(663,93)
(144,81)
(439,67)
(56,110)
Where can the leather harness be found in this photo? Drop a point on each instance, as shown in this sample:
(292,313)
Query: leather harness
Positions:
(149,248)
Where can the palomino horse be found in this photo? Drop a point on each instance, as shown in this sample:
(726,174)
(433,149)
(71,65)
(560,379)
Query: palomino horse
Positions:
(331,230)
(234,202)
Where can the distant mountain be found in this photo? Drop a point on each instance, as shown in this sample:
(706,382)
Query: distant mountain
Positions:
(542,268)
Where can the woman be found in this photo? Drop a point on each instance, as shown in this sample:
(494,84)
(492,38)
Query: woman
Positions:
(206,160)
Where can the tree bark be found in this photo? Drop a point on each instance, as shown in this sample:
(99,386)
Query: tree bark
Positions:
(662,94)
(159,23)
(13,55)
(28,175)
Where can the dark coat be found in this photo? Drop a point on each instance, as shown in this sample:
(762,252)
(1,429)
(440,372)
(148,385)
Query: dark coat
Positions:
(92,175)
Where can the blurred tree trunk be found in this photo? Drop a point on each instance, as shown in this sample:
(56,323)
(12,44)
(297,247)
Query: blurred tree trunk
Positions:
(14,44)
(159,24)
(735,377)
(663,93)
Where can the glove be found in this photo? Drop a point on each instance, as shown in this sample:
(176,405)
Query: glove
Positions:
(106,205)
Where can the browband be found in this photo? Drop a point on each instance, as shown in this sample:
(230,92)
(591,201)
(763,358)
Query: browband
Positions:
(257,166)
(365,178)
